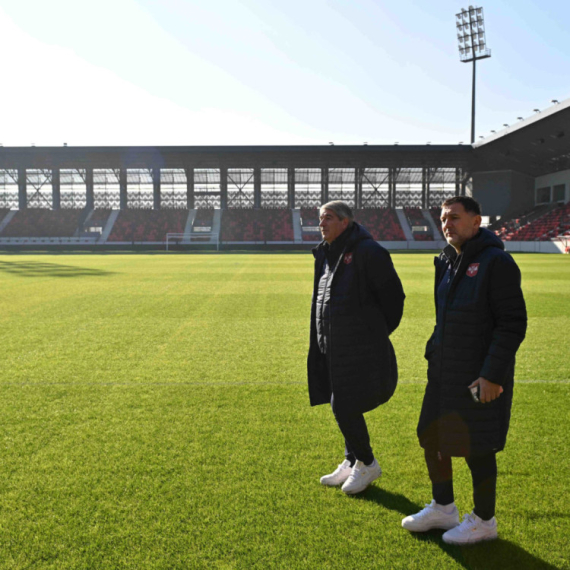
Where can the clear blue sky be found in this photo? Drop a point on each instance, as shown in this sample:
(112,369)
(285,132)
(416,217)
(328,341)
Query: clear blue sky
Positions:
(206,72)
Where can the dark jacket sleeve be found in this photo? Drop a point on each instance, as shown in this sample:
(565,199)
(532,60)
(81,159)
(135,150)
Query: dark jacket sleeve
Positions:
(508,311)
(386,287)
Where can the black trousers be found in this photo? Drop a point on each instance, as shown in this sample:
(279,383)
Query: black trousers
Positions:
(352,425)
(483,473)
(355,432)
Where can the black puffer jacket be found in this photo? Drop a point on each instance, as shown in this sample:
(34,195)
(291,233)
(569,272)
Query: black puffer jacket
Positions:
(478,332)
(360,305)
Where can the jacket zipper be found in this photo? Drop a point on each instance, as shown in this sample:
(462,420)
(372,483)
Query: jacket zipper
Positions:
(331,279)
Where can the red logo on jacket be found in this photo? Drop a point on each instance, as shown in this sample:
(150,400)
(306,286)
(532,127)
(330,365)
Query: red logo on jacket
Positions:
(348,258)
(472,270)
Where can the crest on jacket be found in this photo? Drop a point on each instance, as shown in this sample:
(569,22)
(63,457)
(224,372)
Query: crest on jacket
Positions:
(472,270)
(348,258)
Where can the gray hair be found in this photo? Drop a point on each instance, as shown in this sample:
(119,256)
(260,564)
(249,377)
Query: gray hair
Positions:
(341,209)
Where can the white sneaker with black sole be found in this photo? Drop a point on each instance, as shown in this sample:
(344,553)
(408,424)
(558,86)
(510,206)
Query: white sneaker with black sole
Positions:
(338,476)
(433,516)
(361,476)
(471,530)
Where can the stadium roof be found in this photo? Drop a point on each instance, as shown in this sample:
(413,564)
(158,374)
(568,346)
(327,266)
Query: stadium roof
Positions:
(331,156)
(535,146)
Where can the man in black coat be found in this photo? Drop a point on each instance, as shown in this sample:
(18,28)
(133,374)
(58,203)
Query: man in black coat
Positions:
(480,323)
(357,303)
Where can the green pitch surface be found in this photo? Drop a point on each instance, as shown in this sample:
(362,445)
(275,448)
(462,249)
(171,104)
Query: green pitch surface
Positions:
(155,415)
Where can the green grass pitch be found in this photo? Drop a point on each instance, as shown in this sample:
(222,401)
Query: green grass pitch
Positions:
(155,415)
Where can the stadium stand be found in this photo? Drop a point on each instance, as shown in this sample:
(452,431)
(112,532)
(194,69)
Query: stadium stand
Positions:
(435,213)
(547,226)
(147,225)
(257,225)
(36,222)
(310,220)
(416,219)
(382,223)
(504,227)
(204,219)
(203,223)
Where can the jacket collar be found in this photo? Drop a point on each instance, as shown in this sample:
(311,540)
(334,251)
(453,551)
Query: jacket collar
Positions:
(480,241)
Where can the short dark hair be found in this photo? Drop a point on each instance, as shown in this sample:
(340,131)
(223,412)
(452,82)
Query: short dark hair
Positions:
(469,204)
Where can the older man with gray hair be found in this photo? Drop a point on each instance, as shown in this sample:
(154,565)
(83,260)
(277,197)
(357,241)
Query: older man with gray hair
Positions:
(358,301)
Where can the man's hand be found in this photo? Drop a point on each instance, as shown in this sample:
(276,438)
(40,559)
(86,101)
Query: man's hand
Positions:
(488,391)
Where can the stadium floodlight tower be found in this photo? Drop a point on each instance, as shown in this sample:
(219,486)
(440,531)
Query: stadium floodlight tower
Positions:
(472,46)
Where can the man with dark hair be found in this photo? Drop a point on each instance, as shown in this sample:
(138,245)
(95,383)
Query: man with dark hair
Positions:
(480,323)
(357,303)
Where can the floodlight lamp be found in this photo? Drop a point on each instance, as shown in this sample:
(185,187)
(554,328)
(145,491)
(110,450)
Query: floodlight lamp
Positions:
(479,11)
(555,101)
(536,110)
(493,131)
(520,118)
(505,125)
(459,25)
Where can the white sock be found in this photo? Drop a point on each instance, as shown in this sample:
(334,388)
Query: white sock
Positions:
(447,509)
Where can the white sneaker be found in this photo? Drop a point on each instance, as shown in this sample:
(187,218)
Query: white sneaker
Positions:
(361,476)
(338,476)
(431,517)
(471,530)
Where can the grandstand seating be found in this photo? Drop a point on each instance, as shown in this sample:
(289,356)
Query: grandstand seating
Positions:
(541,223)
(416,218)
(36,222)
(204,218)
(257,225)
(550,225)
(382,223)
(505,227)
(310,219)
(436,216)
(147,225)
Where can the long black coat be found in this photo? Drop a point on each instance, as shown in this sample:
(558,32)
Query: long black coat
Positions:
(365,304)
(478,332)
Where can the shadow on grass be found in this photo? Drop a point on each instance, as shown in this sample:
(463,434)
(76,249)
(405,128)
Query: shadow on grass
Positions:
(392,501)
(495,555)
(41,269)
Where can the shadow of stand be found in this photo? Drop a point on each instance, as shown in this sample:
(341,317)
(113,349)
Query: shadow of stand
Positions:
(495,555)
(42,269)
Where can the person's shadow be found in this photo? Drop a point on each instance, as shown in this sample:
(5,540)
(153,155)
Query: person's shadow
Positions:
(498,554)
